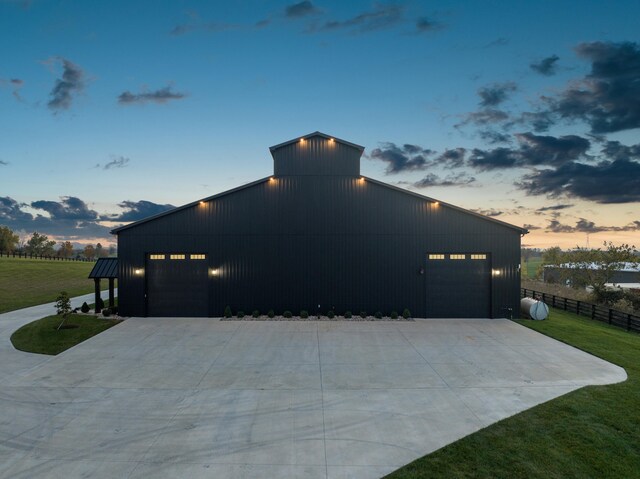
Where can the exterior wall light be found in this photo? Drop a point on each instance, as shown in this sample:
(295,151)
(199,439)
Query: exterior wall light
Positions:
(302,141)
(436,203)
(138,271)
(496,272)
(202,203)
(214,272)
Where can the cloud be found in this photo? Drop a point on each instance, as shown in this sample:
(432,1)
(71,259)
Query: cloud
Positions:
(70,217)
(499,42)
(554,208)
(546,66)
(453,158)
(65,88)
(616,181)
(382,16)
(531,227)
(15,84)
(459,179)
(160,96)
(424,25)
(488,212)
(492,136)
(301,9)
(69,208)
(4,163)
(617,151)
(498,158)
(496,94)
(116,162)
(586,226)
(550,150)
(608,98)
(137,210)
(533,150)
(402,158)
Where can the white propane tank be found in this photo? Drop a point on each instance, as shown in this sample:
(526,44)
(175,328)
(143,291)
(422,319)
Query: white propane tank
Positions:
(534,309)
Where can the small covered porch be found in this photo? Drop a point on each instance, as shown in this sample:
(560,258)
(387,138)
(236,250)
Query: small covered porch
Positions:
(105,268)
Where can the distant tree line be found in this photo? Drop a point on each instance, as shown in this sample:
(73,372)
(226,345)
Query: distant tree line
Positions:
(593,269)
(40,245)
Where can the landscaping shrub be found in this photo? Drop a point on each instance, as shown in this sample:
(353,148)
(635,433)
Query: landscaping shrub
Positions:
(255,313)
(406,314)
(100,303)
(347,314)
(394,315)
(240,314)
(287,314)
(378,315)
(227,312)
(304,314)
(331,314)
(106,312)
(363,314)
(114,310)
(271,314)
(85,307)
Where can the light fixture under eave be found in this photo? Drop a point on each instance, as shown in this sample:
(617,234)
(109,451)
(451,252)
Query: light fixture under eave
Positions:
(202,203)
(496,272)
(436,203)
(138,271)
(214,272)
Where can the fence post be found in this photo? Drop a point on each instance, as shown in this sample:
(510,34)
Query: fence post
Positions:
(578,307)
(593,311)
(628,321)
(609,315)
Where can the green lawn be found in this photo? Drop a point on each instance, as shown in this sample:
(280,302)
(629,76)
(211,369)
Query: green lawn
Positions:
(29,282)
(590,433)
(42,337)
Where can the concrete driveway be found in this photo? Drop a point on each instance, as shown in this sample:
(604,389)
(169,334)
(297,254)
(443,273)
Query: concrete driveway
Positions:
(207,398)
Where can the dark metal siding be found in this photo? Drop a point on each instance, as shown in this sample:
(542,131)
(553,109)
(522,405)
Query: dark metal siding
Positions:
(316,156)
(296,242)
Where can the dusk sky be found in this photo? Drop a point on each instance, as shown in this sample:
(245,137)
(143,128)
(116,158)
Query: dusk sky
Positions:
(528,112)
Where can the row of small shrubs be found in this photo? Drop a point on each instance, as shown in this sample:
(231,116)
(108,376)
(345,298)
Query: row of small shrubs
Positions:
(305,314)
(106,312)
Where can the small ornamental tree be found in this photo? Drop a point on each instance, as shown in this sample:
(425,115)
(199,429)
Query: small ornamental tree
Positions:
(63,307)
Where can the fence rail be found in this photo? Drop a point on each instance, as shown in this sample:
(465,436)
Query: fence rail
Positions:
(16,254)
(630,322)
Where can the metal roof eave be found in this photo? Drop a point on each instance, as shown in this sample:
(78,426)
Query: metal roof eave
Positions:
(522,231)
(316,133)
(189,205)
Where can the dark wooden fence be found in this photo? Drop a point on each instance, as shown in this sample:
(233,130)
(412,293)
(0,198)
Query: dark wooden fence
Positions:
(15,254)
(630,322)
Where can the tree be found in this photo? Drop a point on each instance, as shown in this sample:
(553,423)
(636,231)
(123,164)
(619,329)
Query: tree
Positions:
(39,245)
(8,239)
(100,251)
(551,256)
(89,251)
(66,250)
(63,307)
(595,268)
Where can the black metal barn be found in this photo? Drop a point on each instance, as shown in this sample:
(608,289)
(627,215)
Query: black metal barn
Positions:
(317,236)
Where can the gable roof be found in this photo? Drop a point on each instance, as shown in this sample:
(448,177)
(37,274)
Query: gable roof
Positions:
(105,268)
(321,135)
(522,231)
(189,205)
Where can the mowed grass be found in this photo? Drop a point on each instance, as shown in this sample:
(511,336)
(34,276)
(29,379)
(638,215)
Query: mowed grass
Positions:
(590,433)
(42,337)
(29,282)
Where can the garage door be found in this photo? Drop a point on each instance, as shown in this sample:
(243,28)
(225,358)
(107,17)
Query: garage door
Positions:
(458,285)
(177,285)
